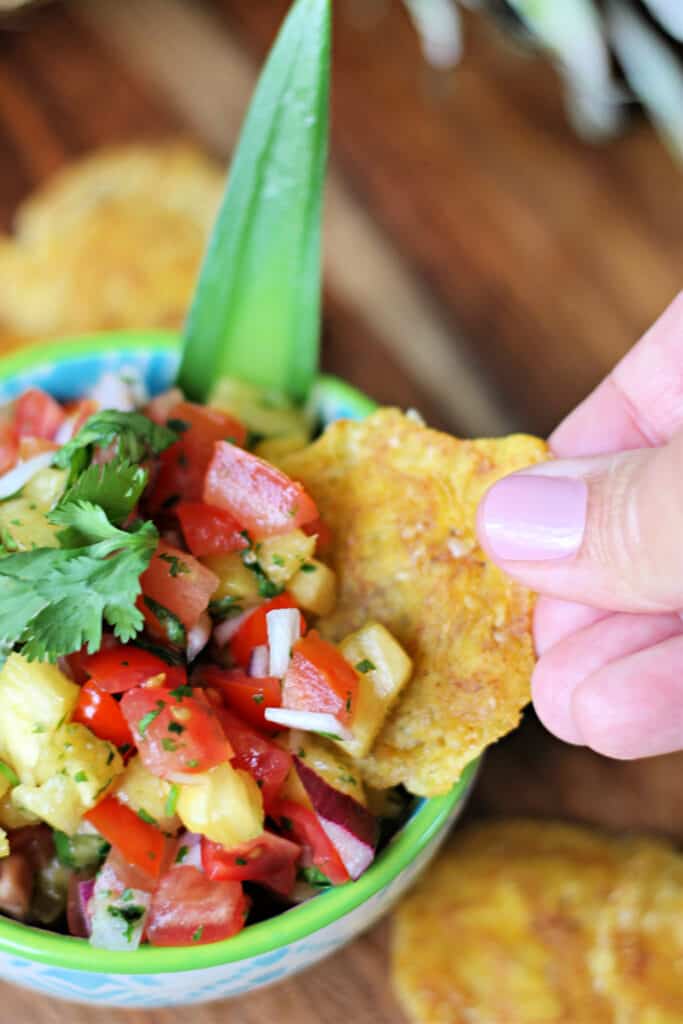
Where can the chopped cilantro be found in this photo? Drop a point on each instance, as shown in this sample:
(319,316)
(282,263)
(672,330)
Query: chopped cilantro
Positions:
(241,862)
(365,665)
(146,816)
(9,774)
(172,626)
(180,426)
(39,727)
(171,802)
(286,823)
(309,567)
(224,607)
(181,691)
(193,763)
(124,748)
(81,776)
(136,437)
(176,727)
(278,560)
(116,487)
(130,915)
(258,698)
(146,720)
(314,876)
(182,854)
(196,936)
(169,745)
(178,567)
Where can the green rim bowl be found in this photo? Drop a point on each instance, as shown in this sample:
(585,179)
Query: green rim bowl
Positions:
(66,369)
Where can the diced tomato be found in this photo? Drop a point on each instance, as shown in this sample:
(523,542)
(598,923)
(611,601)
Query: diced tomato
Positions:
(179,583)
(248,696)
(138,842)
(102,714)
(9,446)
(320,679)
(37,414)
(29,447)
(208,530)
(321,530)
(253,631)
(78,659)
(120,667)
(258,495)
(159,408)
(301,824)
(254,753)
(176,734)
(189,909)
(183,466)
(268,859)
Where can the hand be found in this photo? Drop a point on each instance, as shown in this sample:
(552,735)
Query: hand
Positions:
(599,533)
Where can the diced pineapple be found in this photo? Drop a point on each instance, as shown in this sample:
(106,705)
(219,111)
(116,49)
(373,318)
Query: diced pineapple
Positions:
(75,770)
(327,760)
(12,817)
(236,580)
(147,793)
(267,414)
(314,587)
(35,698)
(275,448)
(384,669)
(45,488)
(282,557)
(23,526)
(224,805)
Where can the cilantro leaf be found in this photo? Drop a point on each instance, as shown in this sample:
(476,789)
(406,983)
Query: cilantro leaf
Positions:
(136,435)
(53,600)
(116,487)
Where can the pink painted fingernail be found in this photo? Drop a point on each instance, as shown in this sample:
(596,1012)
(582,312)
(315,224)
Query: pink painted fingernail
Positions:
(525,517)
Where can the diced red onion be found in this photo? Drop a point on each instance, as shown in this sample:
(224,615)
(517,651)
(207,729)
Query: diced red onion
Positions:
(284,629)
(198,636)
(355,855)
(78,919)
(307,721)
(224,632)
(258,662)
(15,479)
(193,858)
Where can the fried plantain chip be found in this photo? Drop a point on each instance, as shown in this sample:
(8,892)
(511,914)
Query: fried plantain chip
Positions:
(531,922)
(401,501)
(114,240)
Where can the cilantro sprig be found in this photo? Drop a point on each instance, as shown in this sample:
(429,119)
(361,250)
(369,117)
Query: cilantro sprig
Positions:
(137,438)
(53,600)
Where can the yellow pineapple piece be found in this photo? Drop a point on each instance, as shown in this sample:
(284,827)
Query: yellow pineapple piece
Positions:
(224,805)
(314,587)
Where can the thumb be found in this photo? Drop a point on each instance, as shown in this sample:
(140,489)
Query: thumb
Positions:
(604,531)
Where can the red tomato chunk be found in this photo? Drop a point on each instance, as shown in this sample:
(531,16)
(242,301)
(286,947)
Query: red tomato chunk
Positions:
(175,733)
(139,843)
(102,714)
(269,860)
(320,679)
(121,667)
(190,909)
(179,583)
(208,530)
(258,495)
(9,446)
(265,761)
(37,414)
(248,696)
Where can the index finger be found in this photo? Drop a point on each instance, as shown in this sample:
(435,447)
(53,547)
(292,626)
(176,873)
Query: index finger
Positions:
(640,403)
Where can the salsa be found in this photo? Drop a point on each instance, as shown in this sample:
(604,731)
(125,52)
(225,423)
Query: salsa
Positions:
(179,741)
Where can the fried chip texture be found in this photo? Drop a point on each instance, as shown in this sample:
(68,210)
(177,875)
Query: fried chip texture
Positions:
(401,501)
(114,240)
(531,922)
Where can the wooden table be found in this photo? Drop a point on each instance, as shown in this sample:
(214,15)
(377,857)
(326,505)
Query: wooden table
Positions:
(463,213)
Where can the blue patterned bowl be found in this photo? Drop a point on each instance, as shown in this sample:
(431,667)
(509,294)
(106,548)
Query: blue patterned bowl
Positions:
(271,950)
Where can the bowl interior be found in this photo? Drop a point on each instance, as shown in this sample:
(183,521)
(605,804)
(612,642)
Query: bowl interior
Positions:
(66,369)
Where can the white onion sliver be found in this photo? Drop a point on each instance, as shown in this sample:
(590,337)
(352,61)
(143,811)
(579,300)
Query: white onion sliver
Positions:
(258,662)
(15,479)
(356,855)
(284,628)
(109,930)
(191,842)
(224,633)
(198,636)
(307,721)
(66,430)
(112,392)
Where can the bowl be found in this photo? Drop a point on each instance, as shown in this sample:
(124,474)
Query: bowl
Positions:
(265,952)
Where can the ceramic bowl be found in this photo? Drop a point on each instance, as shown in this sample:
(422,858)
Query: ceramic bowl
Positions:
(263,953)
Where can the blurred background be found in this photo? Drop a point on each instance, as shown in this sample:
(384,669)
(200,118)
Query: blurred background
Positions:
(504,219)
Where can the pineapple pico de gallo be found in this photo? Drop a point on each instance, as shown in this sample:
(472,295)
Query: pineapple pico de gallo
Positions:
(177,741)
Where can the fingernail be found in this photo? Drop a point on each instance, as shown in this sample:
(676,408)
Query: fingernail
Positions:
(534,518)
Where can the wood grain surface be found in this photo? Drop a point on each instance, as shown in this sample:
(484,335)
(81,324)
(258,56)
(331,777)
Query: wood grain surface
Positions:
(481,264)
